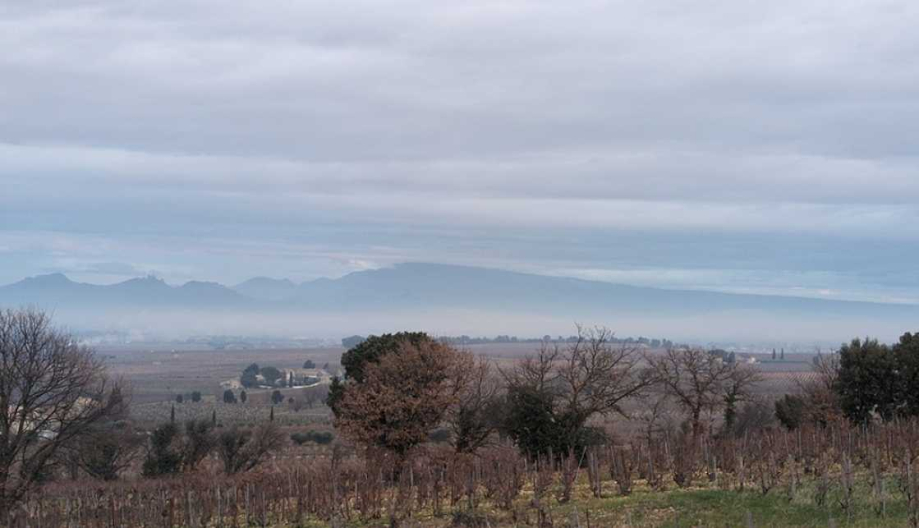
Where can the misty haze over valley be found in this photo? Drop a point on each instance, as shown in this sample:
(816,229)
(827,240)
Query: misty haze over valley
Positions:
(447,300)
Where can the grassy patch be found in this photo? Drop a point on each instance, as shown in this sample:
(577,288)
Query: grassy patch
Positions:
(698,507)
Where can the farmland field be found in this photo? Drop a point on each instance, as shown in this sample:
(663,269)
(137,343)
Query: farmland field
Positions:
(156,374)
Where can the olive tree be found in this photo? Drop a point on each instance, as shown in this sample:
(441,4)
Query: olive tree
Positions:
(243,450)
(170,451)
(107,450)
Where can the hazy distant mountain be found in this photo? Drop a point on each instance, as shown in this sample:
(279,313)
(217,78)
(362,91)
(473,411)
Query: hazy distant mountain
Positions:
(434,285)
(57,292)
(266,289)
(448,299)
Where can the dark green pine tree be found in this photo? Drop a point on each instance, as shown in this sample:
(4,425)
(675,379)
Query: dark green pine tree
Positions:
(368,351)
(868,380)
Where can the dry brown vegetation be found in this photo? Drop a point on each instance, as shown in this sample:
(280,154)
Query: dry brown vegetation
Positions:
(438,487)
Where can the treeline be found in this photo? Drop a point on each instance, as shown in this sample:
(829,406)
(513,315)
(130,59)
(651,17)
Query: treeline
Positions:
(174,450)
(353,341)
(467,340)
(400,387)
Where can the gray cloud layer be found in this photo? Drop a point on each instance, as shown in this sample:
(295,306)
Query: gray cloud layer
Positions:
(729,145)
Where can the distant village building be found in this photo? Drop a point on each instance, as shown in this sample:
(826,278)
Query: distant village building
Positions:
(301,378)
(232,384)
(38,422)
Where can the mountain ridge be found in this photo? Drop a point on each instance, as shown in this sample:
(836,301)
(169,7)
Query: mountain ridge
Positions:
(463,296)
(458,280)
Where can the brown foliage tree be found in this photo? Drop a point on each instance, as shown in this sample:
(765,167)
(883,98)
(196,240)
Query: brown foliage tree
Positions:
(403,396)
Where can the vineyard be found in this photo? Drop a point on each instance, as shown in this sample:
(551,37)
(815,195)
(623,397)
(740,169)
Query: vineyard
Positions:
(585,433)
(833,476)
(151,414)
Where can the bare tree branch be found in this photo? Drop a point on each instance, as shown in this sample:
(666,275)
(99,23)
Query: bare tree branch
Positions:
(52,392)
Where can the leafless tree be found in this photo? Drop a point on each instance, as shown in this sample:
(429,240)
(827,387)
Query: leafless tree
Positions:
(589,377)
(52,392)
(738,389)
(243,450)
(597,375)
(312,395)
(538,372)
(655,414)
(700,382)
(472,419)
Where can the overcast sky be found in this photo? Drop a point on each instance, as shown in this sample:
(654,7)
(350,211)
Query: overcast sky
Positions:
(736,145)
